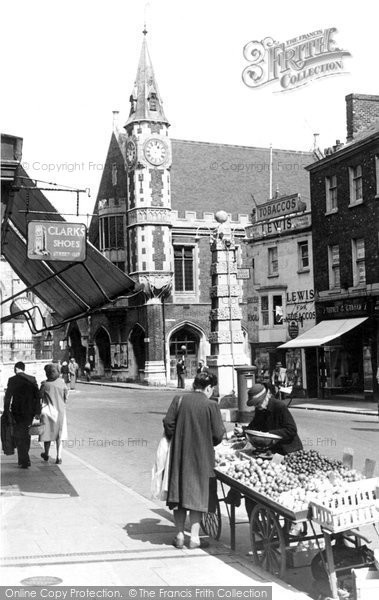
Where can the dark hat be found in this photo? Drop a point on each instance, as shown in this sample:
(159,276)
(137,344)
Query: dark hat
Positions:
(278,364)
(20,365)
(256,393)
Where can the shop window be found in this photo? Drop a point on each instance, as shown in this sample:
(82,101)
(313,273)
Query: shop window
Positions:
(112,232)
(359,263)
(184,268)
(277,310)
(303,254)
(264,310)
(355,177)
(272,305)
(331,193)
(334,267)
(273,269)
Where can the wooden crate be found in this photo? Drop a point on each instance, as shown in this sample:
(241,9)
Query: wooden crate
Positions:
(357,505)
(366,583)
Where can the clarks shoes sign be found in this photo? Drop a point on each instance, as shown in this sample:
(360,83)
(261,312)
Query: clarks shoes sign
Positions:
(57,240)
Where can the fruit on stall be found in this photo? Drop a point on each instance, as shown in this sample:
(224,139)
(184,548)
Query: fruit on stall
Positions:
(293,482)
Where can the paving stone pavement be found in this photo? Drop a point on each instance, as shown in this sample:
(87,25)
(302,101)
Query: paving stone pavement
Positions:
(74,522)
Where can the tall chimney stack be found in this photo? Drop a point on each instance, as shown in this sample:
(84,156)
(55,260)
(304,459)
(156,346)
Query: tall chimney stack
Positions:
(361,112)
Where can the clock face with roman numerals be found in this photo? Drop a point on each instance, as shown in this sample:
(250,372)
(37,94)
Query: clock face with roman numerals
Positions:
(155,151)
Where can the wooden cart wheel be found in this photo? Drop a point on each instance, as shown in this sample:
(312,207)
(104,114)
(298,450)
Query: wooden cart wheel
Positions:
(211,523)
(267,541)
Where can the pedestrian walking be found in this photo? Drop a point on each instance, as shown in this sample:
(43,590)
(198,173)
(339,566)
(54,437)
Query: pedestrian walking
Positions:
(64,372)
(53,394)
(279,378)
(194,427)
(22,404)
(87,370)
(202,367)
(181,372)
(73,369)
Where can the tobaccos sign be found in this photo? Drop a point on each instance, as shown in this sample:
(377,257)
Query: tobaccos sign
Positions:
(295,62)
(57,240)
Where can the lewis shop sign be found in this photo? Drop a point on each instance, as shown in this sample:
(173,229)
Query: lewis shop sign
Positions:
(57,241)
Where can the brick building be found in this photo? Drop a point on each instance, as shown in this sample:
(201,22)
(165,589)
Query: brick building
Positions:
(345,231)
(156,204)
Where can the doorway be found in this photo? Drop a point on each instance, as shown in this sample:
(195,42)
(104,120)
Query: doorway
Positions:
(184,342)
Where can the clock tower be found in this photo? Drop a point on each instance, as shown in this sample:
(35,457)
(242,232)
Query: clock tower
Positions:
(148,160)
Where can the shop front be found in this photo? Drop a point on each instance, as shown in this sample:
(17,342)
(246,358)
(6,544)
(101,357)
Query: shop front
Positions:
(344,347)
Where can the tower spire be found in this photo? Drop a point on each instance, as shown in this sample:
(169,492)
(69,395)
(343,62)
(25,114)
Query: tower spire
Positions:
(145,100)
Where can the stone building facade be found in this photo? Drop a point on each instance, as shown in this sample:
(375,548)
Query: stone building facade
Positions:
(155,217)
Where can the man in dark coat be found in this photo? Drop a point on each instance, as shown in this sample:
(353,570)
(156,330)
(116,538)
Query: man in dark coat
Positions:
(181,372)
(271,416)
(22,402)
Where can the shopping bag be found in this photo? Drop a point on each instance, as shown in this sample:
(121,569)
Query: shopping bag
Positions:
(160,470)
(49,410)
(7,439)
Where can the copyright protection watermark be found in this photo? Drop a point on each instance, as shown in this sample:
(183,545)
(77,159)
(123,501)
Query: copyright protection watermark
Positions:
(257,167)
(259,592)
(295,62)
(68,167)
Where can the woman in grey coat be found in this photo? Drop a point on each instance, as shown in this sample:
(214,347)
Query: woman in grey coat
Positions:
(54,394)
(195,427)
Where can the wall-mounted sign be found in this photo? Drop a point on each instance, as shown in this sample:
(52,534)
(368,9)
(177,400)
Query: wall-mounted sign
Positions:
(243,273)
(279,207)
(57,240)
(293,329)
(278,226)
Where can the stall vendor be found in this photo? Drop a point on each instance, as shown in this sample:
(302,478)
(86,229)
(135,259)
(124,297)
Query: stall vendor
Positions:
(272,416)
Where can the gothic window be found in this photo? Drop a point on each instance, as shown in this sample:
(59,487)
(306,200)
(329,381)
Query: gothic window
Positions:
(184,268)
(114,174)
(112,232)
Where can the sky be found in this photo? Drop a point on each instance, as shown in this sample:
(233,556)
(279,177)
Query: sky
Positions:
(67,65)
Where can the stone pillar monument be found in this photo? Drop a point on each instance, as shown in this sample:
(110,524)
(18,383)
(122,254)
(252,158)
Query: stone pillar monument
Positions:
(226,337)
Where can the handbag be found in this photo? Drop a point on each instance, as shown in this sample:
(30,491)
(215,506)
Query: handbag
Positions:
(161,468)
(36,428)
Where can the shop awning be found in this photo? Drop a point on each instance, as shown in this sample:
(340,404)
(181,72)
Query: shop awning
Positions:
(72,290)
(324,332)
